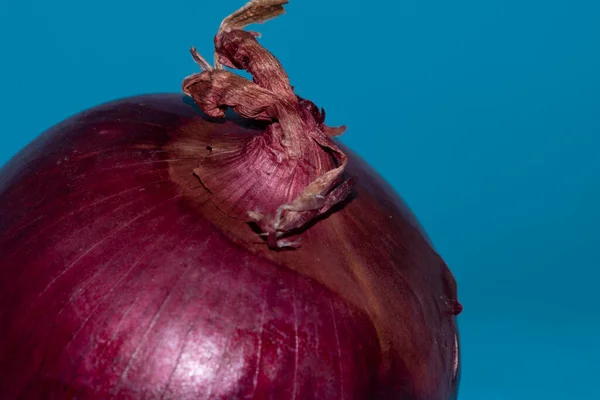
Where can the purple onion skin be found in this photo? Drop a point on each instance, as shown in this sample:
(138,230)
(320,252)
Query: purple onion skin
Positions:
(120,278)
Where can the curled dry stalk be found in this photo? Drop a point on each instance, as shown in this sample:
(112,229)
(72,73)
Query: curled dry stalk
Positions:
(269,97)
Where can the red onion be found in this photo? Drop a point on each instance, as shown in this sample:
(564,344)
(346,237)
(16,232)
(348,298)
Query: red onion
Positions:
(150,249)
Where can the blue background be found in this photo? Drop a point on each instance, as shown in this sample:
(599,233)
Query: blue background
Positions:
(483,114)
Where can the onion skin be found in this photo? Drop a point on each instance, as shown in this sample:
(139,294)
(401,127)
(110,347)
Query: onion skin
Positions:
(122,279)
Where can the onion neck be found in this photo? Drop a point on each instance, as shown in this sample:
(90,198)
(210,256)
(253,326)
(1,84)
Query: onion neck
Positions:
(296,139)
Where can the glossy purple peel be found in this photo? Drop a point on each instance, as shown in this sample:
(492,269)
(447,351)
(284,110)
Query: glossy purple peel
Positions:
(144,253)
